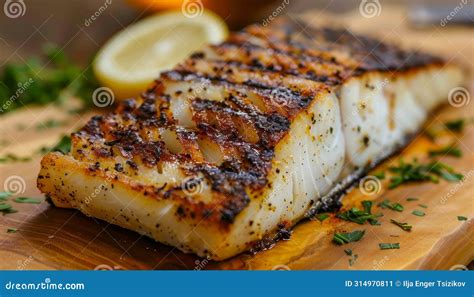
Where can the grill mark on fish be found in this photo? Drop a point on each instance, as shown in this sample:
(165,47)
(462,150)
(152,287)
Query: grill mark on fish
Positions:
(131,129)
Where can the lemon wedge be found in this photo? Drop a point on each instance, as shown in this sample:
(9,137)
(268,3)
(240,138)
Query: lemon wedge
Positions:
(130,61)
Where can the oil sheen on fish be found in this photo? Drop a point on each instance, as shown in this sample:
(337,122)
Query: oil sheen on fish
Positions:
(247,137)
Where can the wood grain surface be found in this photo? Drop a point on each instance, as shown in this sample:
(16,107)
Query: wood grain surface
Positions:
(52,238)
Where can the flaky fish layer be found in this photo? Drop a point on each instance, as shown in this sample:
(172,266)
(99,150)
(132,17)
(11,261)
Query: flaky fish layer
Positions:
(242,139)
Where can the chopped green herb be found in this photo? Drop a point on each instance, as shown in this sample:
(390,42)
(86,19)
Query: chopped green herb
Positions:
(63,145)
(343,238)
(423,205)
(4,195)
(380,175)
(322,216)
(6,208)
(27,200)
(357,216)
(461,218)
(353,259)
(404,226)
(418,213)
(9,158)
(456,125)
(389,246)
(393,206)
(367,205)
(412,172)
(12,230)
(450,150)
(32,83)
(368,209)
(412,199)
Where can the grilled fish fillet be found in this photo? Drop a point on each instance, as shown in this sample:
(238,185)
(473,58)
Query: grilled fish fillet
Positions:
(247,137)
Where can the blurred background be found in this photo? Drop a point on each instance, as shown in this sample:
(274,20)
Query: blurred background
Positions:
(65,22)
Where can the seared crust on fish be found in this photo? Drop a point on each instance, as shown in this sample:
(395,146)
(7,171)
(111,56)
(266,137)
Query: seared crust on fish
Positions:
(244,138)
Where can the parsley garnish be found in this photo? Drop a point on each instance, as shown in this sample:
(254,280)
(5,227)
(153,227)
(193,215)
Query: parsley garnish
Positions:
(379,175)
(412,199)
(461,218)
(418,213)
(14,158)
(404,226)
(6,208)
(393,206)
(31,83)
(4,195)
(64,146)
(322,216)
(389,246)
(343,238)
(450,150)
(353,257)
(357,216)
(12,230)
(27,200)
(411,172)
(423,205)
(456,125)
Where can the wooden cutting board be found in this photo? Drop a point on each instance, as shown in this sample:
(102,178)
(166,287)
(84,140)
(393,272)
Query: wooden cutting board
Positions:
(52,238)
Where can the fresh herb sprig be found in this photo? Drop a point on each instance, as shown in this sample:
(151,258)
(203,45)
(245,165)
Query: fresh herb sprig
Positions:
(343,238)
(403,226)
(416,172)
(391,205)
(359,216)
(389,246)
(322,217)
(418,213)
(455,125)
(49,79)
(449,150)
